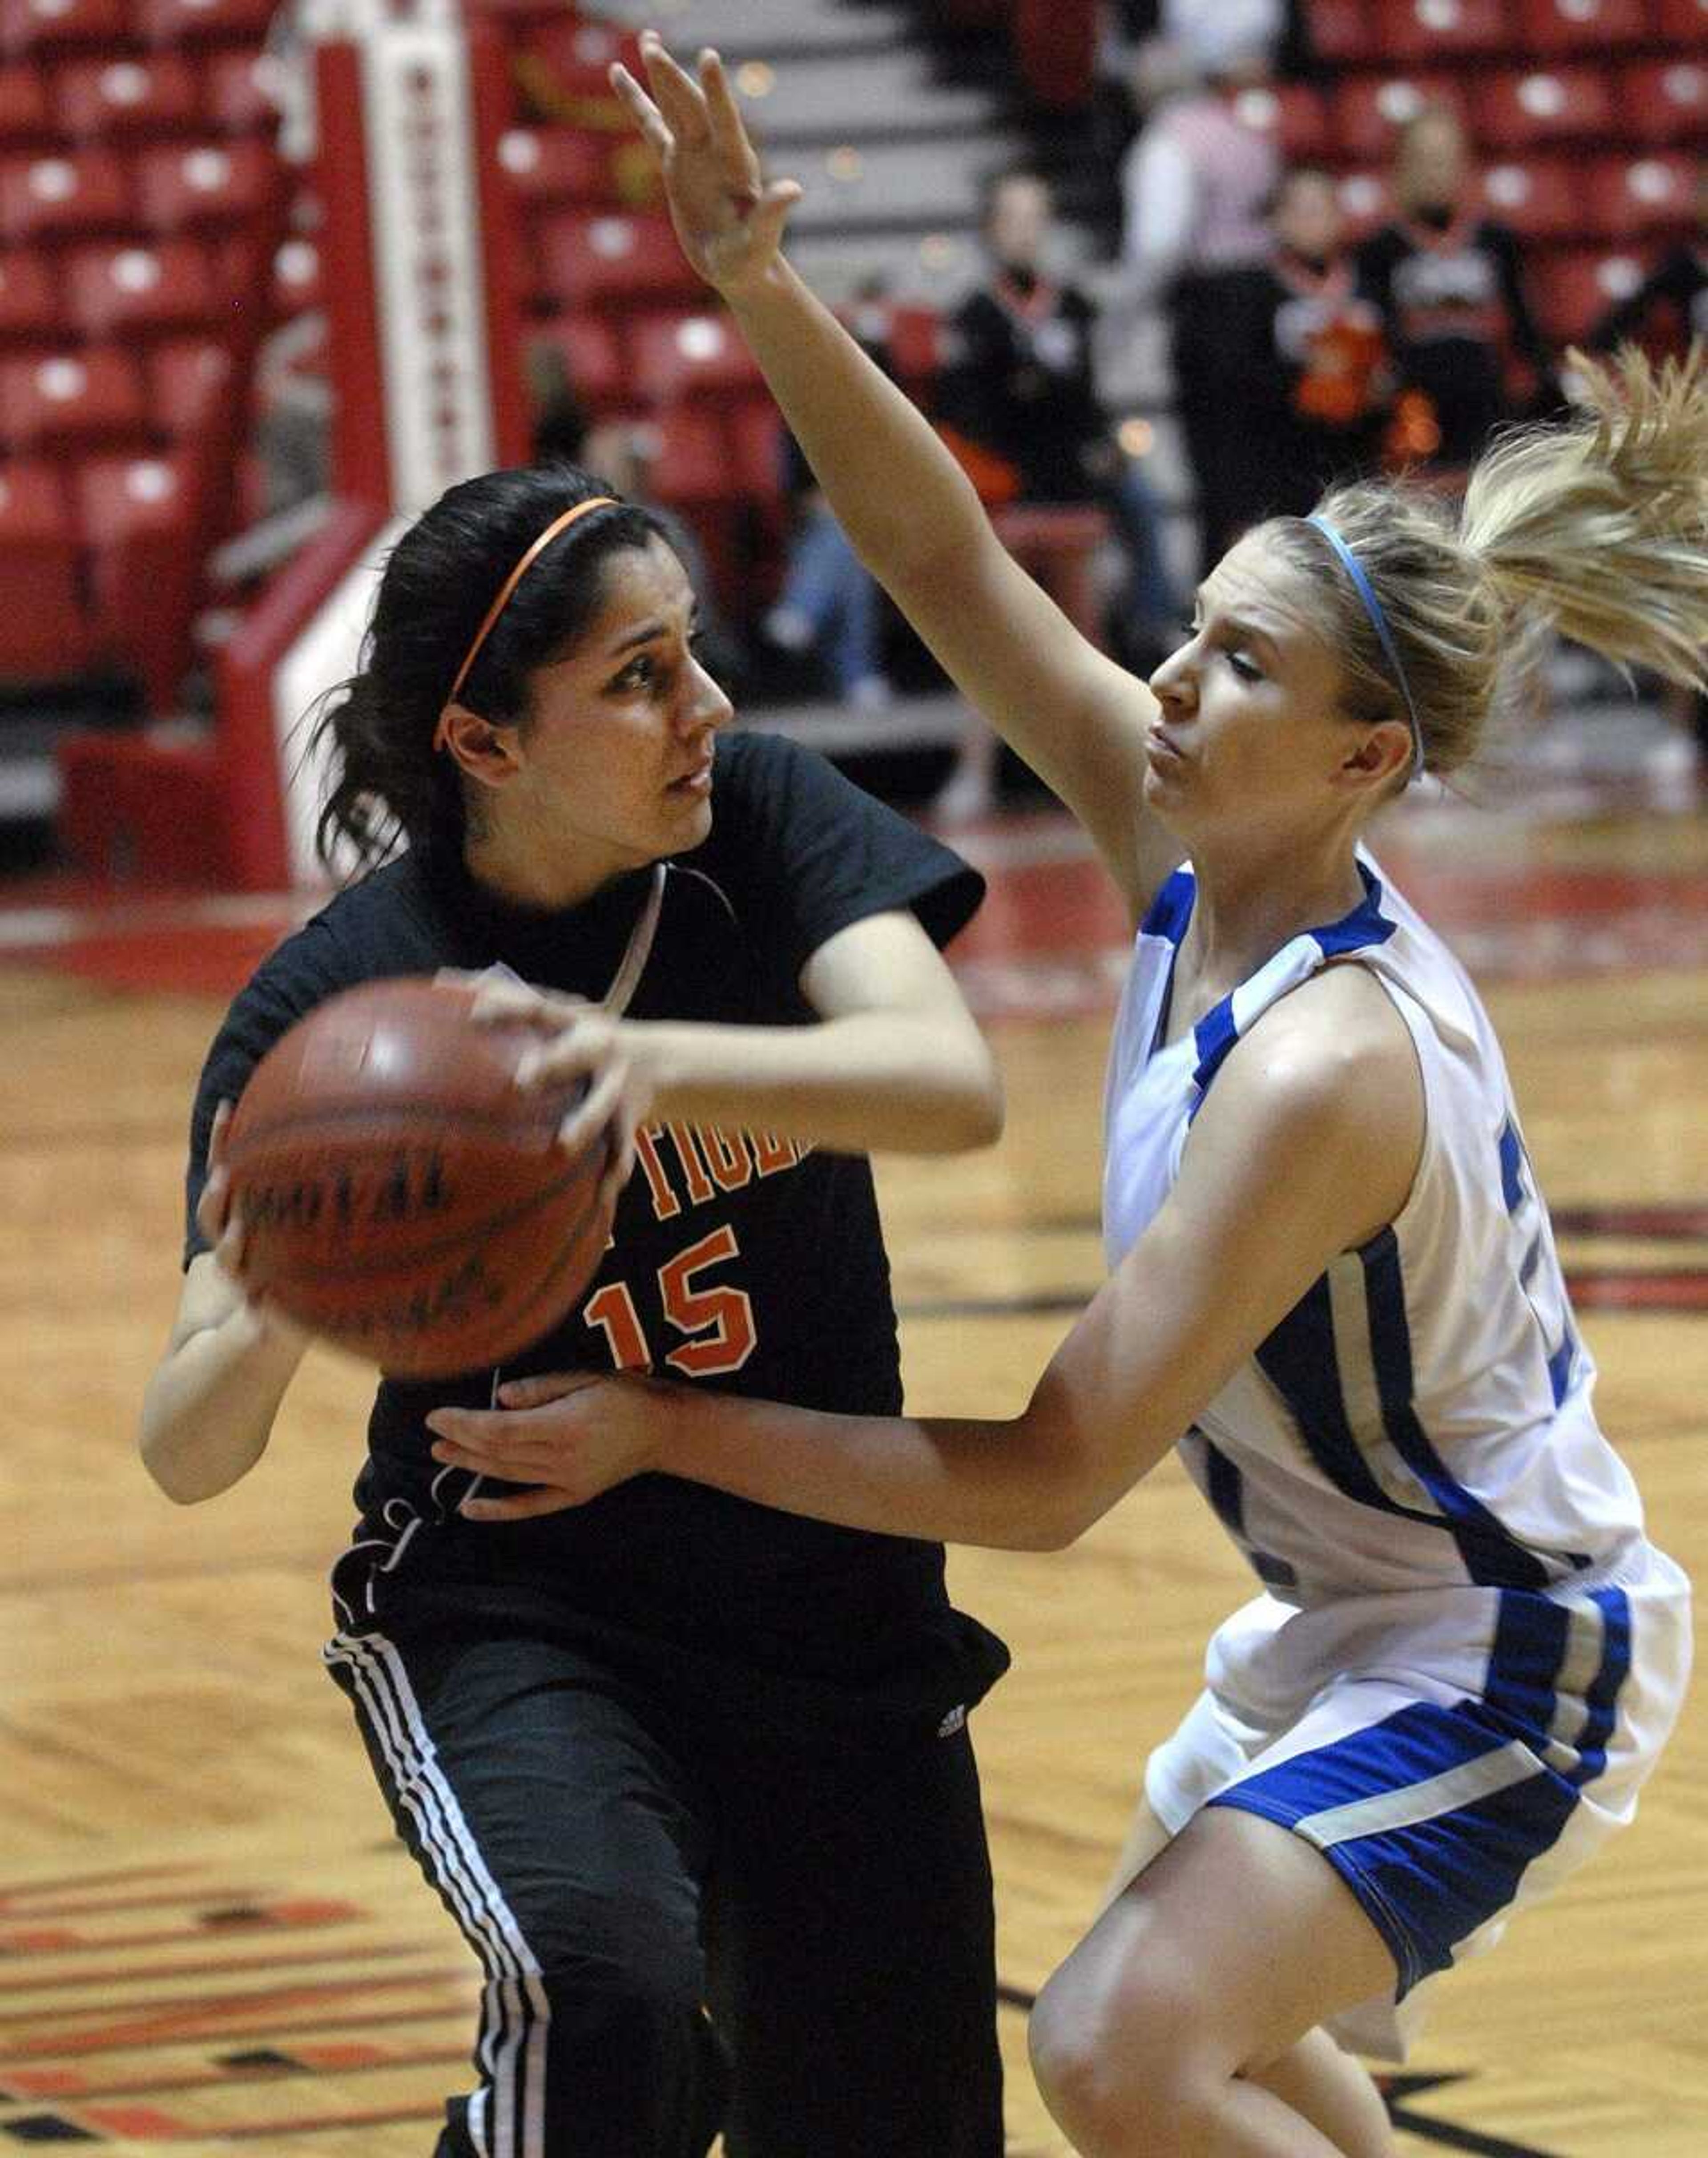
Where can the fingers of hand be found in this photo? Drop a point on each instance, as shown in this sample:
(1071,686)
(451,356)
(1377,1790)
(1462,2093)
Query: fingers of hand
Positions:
(678,94)
(542,1386)
(520,1506)
(644,113)
(596,1108)
(576,1048)
(728,131)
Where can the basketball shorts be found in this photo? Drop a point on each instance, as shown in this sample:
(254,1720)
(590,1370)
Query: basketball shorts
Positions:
(1454,1753)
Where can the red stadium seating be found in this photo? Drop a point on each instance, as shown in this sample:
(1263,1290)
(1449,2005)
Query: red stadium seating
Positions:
(1426,33)
(65,197)
(1537,110)
(42,629)
(72,400)
(1368,109)
(1628,198)
(1293,115)
(31,310)
(107,98)
(1559,29)
(1572,291)
(296,280)
(756,438)
(573,57)
(1683,23)
(689,465)
(1342,33)
(593,359)
(1538,198)
(237,91)
(205,186)
(40,26)
(204,22)
(1663,101)
(140,516)
(125,289)
(553,165)
(189,383)
(1365,204)
(677,358)
(613,261)
(26,116)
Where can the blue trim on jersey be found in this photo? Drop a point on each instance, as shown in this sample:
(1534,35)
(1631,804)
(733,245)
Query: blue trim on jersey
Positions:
(1300,1360)
(1225,1488)
(1217,1031)
(1171,910)
(1512,1160)
(1560,1367)
(1604,1696)
(1494,1557)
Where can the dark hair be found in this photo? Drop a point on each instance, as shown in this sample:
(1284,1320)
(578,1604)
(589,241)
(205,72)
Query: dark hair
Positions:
(387,780)
(992,183)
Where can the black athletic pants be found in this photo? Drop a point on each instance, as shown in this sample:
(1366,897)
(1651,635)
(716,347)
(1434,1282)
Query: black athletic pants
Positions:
(688,1921)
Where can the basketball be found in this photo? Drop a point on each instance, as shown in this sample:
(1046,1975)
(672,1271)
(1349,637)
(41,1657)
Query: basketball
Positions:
(400,1197)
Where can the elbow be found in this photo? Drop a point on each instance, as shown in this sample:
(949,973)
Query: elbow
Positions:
(977,1111)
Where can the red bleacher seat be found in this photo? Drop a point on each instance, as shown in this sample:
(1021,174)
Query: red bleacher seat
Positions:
(687,460)
(39,26)
(182,188)
(26,116)
(42,629)
(575,56)
(1426,33)
(1342,33)
(593,359)
(73,400)
(1571,292)
(296,280)
(1293,115)
(1664,102)
(613,261)
(1369,108)
(1558,29)
(550,165)
(506,13)
(116,290)
(238,91)
(1550,105)
(189,380)
(1537,198)
(1627,198)
(209,21)
(62,198)
(679,357)
(109,98)
(139,517)
(1683,23)
(31,310)
(755,442)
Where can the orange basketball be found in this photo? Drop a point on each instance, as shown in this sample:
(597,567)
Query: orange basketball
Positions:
(400,1197)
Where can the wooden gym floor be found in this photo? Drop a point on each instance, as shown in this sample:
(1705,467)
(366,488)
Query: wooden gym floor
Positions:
(205,1934)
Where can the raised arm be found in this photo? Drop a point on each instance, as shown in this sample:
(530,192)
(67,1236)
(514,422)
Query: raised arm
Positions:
(1077,718)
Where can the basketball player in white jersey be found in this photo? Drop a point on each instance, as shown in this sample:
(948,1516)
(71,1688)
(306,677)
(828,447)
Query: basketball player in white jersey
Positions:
(1333,1284)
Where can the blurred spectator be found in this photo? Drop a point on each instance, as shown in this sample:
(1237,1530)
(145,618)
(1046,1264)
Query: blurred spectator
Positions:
(830,605)
(1451,290)
(1670,308)
(1311,403)
(1020,387)
(1194,186)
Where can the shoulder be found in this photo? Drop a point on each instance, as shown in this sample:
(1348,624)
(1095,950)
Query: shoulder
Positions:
(1334,1056)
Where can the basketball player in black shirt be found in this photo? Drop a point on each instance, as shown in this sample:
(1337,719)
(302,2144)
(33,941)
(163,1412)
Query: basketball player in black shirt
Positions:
(692,1776)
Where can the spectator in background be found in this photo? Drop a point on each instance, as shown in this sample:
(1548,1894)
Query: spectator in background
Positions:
(1019,386)
(1313,381)
(1670,306)
(1449,284)
(1194,186)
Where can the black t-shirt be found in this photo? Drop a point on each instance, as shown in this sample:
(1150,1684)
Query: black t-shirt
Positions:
(1676,290)
(1020,384)
(739,1260)
(1458,318)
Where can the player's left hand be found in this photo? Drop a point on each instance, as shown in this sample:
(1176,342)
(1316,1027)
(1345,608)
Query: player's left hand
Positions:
(566,1436)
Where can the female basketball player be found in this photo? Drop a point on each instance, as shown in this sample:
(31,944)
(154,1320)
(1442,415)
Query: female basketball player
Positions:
(1334,1285)
(692,1776)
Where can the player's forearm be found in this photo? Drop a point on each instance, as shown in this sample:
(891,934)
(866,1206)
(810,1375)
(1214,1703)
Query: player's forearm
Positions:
(209,1410)
(897,491)
(870,1081)
(961,1481)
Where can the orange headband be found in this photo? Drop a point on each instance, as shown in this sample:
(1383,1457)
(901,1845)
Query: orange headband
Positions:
(557,524)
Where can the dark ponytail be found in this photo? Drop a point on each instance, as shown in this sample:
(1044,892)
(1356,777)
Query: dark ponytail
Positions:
(387,782)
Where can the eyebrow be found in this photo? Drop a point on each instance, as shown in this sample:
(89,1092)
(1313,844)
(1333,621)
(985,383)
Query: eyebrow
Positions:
(648,633)
(1244,627)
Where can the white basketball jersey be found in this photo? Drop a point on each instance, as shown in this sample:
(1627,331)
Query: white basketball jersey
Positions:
(1422,1415)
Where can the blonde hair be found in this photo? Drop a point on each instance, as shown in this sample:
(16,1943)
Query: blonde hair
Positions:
(1597,527)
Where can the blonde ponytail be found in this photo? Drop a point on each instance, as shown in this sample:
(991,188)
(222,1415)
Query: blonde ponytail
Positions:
(1601,526)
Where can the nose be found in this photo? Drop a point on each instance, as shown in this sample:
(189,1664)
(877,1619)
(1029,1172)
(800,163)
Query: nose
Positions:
(1174,681)
(707,704)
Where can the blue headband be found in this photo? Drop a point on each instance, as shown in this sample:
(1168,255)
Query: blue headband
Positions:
(1379,622)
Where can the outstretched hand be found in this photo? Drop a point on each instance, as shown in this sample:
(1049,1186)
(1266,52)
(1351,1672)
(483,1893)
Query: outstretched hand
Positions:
(564,1436)
(728,217)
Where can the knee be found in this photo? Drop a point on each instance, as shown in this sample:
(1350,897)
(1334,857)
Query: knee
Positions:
(1117,2065)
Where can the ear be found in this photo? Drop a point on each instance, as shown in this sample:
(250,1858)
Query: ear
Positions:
(1380,760)
(488,754)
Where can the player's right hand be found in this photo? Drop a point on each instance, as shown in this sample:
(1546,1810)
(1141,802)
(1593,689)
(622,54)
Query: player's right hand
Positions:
(222,1225)
(728,217)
